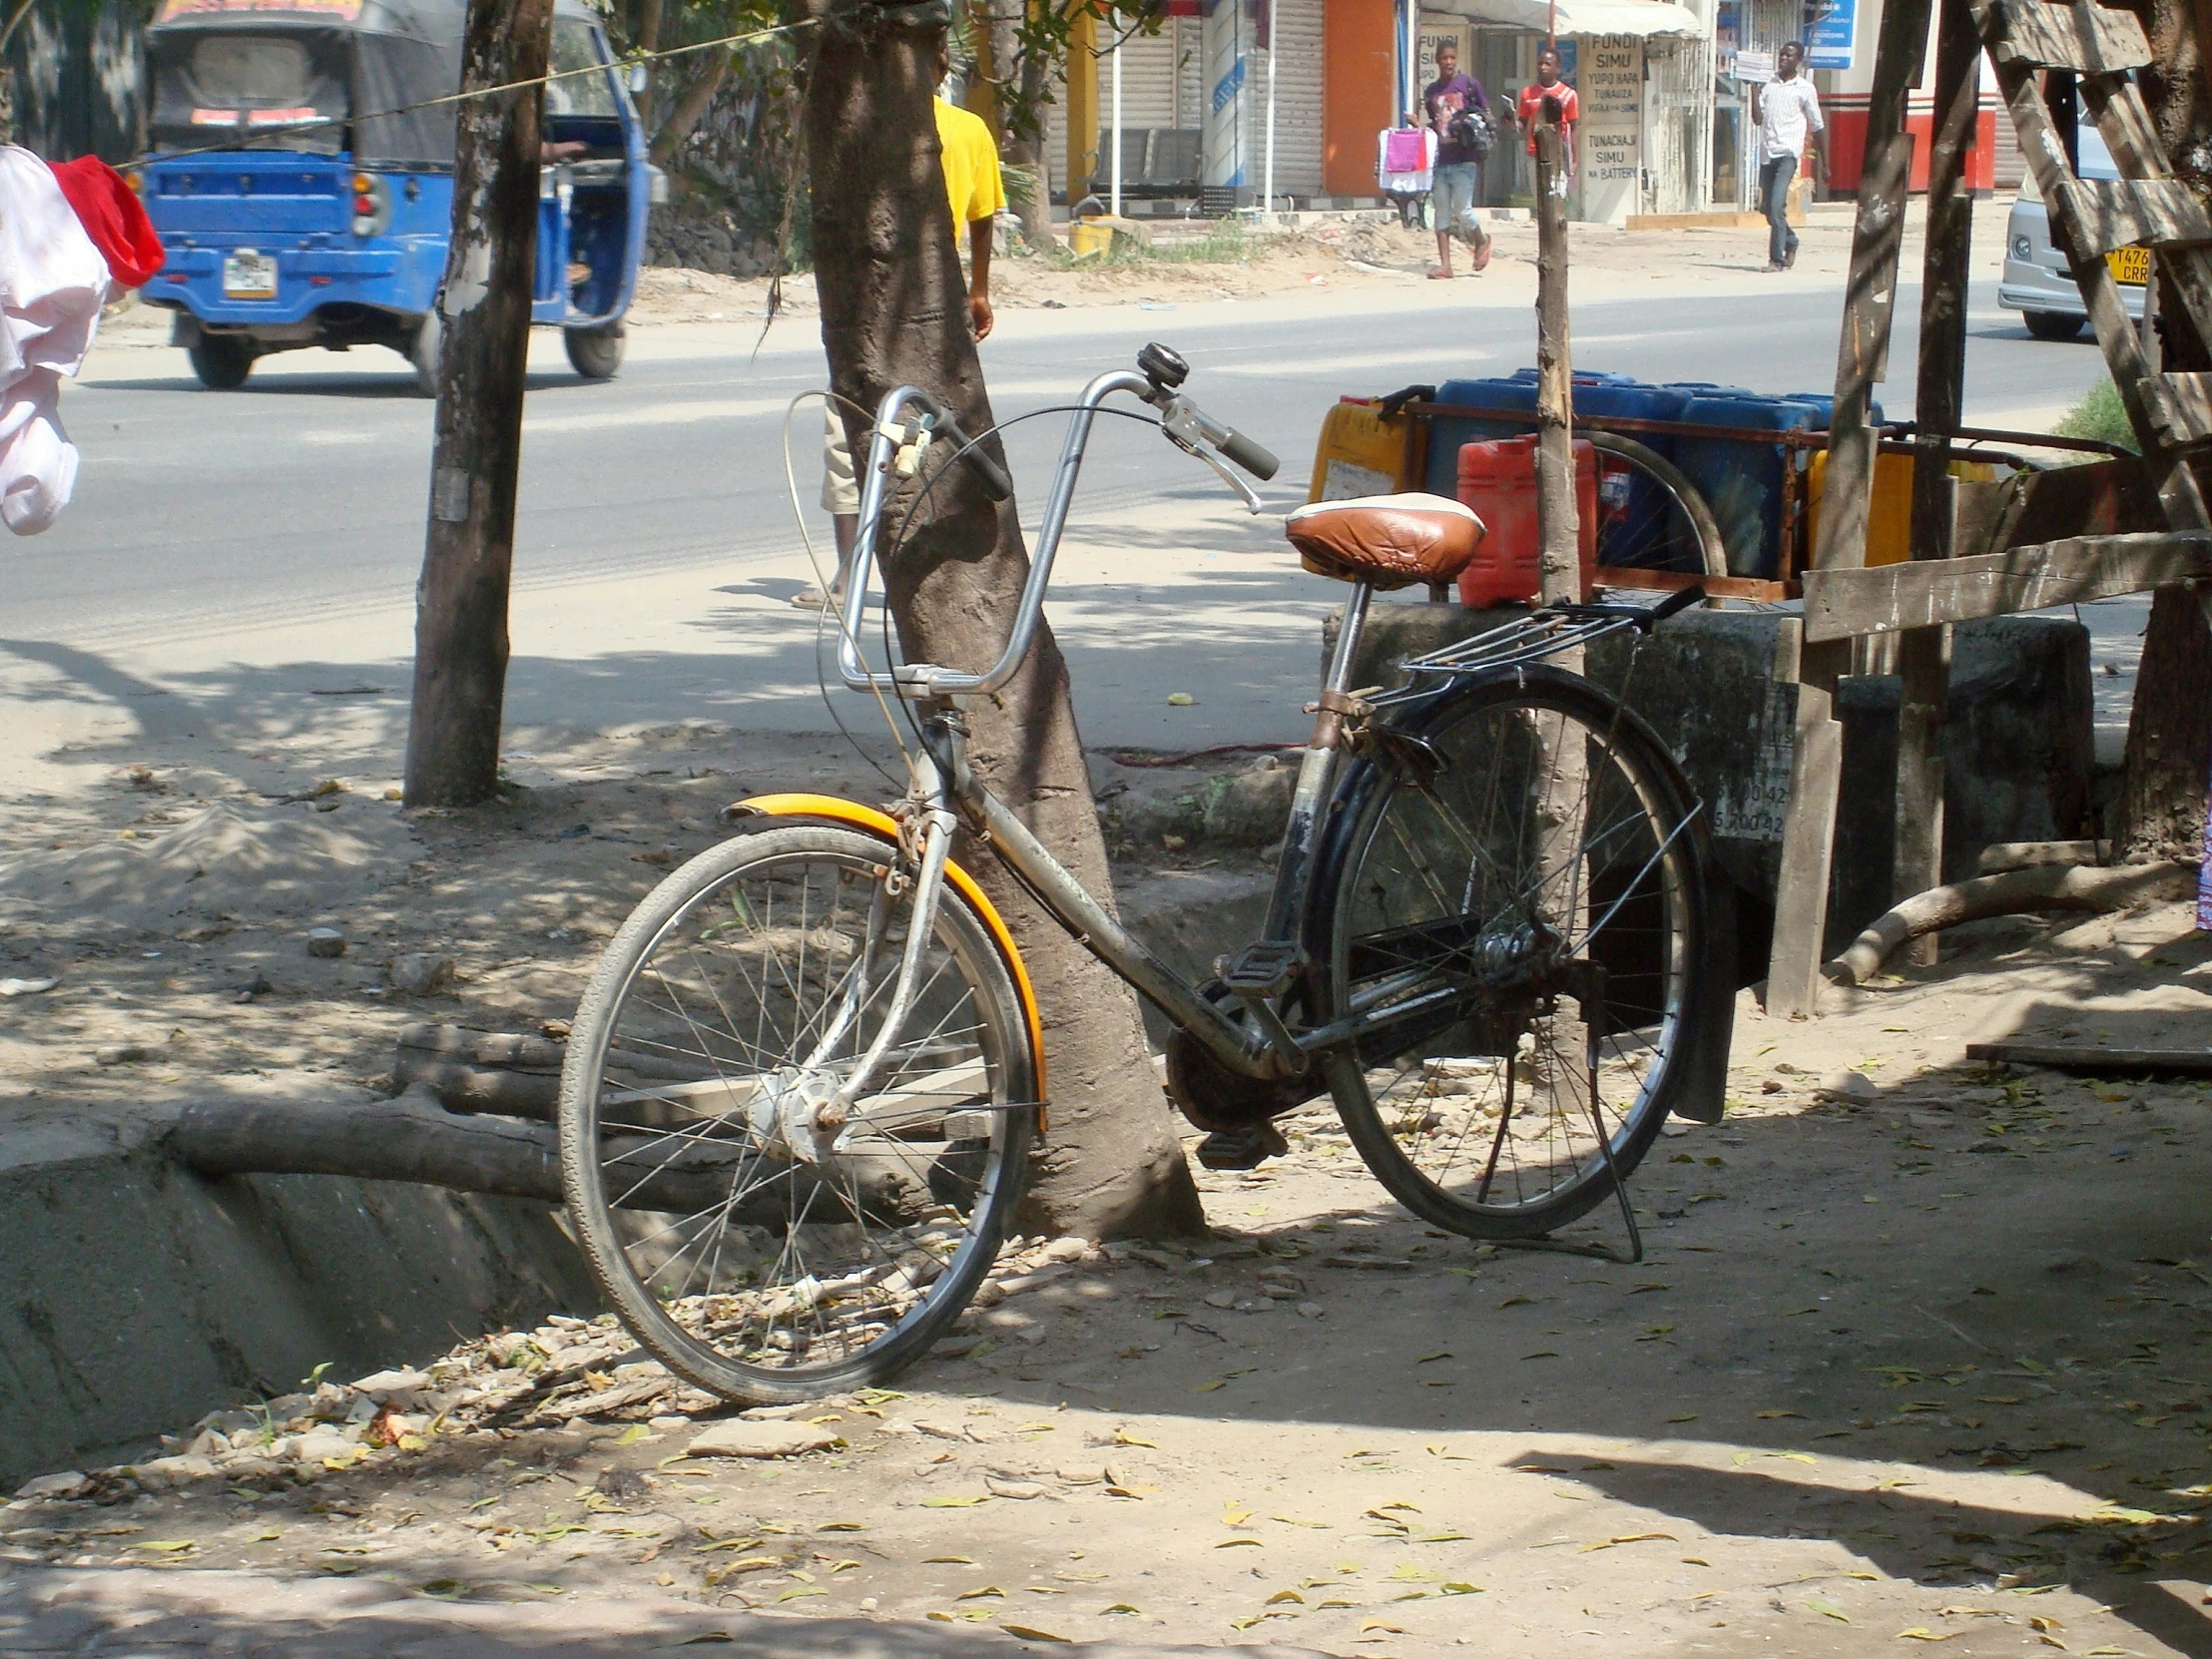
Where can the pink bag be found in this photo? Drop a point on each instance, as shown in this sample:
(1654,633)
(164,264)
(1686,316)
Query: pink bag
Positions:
(1405,150)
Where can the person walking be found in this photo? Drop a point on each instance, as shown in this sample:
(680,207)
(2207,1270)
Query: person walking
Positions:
(1788,113)
(969,161)
(1450,98)
(1530,108)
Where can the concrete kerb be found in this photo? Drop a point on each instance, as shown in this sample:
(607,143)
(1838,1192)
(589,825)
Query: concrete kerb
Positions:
(142,1296)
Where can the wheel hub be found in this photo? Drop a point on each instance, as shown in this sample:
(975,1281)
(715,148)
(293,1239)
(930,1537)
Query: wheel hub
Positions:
(786,1113)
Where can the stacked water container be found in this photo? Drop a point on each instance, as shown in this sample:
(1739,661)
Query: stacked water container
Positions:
(1742,480)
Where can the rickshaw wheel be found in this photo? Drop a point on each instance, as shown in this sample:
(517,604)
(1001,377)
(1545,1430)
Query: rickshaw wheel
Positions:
(423,353)
(596,354)
(222,361)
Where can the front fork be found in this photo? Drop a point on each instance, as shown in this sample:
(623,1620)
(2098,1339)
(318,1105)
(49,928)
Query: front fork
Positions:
(928,811)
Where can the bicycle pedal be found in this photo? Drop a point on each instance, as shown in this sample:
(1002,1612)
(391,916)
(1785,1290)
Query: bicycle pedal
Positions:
(1268,967)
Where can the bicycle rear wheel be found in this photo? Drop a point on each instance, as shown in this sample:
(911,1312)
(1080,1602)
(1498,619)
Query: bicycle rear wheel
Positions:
(1551,876)
(750,1253)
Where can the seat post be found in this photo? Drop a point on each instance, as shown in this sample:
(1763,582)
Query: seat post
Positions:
(1316,773)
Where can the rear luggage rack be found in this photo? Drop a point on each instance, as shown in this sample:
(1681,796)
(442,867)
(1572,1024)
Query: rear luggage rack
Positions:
(1548,633)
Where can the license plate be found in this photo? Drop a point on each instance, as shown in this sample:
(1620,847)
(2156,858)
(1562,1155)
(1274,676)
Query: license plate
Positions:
(247,274)
(2129,264)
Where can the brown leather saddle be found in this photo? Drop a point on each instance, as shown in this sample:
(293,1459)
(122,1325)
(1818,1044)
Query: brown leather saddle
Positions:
(1388,541)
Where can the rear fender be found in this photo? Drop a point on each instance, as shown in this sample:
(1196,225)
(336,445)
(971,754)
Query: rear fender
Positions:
(851,814)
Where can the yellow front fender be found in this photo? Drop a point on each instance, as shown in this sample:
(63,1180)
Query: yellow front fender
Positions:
(881,824)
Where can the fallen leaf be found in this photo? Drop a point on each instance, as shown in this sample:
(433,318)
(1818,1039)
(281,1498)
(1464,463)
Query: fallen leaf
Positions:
(1442,1539)
(1233,1543)
(954,1502)
(980,1591)
(1031,1633)
(1440,1353)
(1285,1596)
(948,1561)
(1119,1607)
(164,1546)
(1629,1538)
(798,1590)
(1770,1414)
(1209,1388)
(1122,1437)
(1367,1625)
(1518,1302)
(1454,1587)
(1293,1520)
(1827,1610)
(1235,1515)
(1683,1416)
(1920,1633)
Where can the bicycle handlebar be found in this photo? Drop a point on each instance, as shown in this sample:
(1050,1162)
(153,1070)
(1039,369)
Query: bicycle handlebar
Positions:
(1179,419)
(987,471)
(1239,448)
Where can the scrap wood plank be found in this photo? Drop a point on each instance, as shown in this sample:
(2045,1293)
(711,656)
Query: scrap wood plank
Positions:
(1843,603)
(2170,1062)
(2088,38)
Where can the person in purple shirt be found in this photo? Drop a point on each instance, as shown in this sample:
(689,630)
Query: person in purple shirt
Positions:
(1458,175)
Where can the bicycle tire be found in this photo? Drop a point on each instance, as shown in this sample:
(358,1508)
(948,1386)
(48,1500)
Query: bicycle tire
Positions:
(1383,908)
(768,1276)
(1672,481)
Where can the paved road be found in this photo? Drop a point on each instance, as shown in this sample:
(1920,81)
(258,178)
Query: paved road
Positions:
(253,547)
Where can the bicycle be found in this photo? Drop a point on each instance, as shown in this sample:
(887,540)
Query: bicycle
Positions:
(803,1083)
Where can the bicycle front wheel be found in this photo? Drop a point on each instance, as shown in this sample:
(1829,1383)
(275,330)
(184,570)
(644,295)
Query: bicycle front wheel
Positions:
(750,1251)
(1529,885)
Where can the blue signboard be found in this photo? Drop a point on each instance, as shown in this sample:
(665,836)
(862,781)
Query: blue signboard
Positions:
(1828,33)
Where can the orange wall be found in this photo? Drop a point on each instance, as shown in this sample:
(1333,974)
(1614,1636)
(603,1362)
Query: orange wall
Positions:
(1357,92)
(1847,147)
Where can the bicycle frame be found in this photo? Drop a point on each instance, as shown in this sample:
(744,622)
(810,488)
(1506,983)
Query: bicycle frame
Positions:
(946,791)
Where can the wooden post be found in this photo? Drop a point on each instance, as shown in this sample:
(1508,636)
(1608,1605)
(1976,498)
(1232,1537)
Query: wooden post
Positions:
(1923,654)
(1562,810)
(1861,360)
(1558,521)
(460,672)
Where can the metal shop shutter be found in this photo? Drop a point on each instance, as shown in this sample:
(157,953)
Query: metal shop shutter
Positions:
(1297,97)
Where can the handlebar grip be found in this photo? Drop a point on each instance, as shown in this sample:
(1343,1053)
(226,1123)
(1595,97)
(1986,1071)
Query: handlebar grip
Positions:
(987,472)
(1247,454)
(1677,602)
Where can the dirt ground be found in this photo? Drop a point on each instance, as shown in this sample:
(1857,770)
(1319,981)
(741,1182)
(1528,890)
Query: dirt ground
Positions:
(1918,1351)
(1328,255)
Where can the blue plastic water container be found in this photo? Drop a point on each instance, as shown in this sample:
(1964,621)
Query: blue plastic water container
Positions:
(1445,435)
(1743,481)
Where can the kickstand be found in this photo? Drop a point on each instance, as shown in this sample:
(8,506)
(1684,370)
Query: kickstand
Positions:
(1594,1019)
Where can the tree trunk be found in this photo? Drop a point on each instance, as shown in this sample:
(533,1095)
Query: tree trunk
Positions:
(895,310)
(2169,731)
(460,673)
(690,107)
(1032,206)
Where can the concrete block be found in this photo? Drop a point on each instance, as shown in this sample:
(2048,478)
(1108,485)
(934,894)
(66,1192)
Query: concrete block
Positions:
(2017,743)
(142,1297)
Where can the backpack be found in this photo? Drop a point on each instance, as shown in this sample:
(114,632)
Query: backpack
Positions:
(1471,131)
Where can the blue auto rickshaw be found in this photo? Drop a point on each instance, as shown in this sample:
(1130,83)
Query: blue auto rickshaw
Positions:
(300,174)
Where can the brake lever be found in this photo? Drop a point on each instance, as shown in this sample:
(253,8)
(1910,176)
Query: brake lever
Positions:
(1252,501)
(1179,425)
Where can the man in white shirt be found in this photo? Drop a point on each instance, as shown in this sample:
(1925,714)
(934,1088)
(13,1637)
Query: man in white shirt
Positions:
(1787,111)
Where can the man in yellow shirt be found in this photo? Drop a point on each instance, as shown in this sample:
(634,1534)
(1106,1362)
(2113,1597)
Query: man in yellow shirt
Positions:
(979,194)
